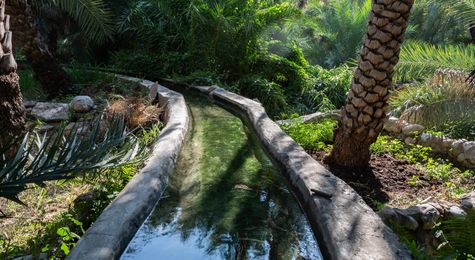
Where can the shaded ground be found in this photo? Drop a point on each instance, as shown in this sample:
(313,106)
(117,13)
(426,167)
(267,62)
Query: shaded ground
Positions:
(387,180)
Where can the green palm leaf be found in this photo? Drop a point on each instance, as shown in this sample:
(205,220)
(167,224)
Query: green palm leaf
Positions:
(94,18)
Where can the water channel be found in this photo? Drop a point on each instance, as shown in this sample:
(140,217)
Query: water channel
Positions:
(225,201)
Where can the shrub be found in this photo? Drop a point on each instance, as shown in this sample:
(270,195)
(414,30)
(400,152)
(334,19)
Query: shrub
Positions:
(334,83)
(270,94)
(314,136)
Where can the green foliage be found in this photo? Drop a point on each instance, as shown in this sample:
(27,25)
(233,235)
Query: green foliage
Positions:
(464,128)
(270,94)
(30,88)
(293,77)
(432,22)
(334,83)
(433,168)
(64,156)
(332,33)
(443,104)
(385,144)
(463,11)
(419,60)
(219,36)
(95,19)
(313,136)
(460,235)
(62,232)
(139,62)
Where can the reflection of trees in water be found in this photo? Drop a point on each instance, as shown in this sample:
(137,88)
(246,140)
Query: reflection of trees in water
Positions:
(238,213)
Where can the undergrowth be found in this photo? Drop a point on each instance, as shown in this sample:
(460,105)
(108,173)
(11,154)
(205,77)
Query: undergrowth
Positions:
(434,168)
(313,136)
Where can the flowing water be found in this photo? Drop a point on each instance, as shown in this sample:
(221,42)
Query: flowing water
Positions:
(225,201)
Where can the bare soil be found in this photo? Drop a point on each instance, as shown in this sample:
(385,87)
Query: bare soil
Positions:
(388,180)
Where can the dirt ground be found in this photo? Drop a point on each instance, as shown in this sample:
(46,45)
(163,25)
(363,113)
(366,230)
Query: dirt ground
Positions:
(386,181)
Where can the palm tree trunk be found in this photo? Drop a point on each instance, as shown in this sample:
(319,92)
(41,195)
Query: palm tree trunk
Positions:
(46,68)
(363,116)
(12,111)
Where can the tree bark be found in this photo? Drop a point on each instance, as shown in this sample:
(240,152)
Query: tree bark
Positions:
(12,110)
(47,70)
(363,116)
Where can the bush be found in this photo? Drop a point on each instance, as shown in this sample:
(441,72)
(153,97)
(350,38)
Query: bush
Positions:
(270,94)
(314,136)
(334,83)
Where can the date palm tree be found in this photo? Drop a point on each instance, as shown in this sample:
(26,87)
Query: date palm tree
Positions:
(12,110)
(363,116)
(94,21)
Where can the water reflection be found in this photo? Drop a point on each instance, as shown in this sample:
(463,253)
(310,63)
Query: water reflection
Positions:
(226,201)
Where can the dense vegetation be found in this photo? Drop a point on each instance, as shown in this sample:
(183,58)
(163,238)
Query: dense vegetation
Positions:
(295,56)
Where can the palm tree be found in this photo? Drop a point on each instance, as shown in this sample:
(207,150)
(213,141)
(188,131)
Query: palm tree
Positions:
(363,116)
(94,21)
(47,69)
(12,111)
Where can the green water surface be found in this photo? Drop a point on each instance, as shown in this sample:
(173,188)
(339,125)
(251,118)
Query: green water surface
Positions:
(225,201)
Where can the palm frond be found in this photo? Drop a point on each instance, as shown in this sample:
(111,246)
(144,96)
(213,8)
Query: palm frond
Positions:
(65,156)
(419,60)
(93,16)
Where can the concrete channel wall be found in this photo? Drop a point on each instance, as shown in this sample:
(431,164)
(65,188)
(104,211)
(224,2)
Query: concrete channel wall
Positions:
(108,237)
(345,226)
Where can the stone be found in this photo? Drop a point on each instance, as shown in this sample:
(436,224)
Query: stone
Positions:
(82,104)
(469,151)
(430,216)
(393,125)
(50,112)
(153,92)
(426,214)
(457,148)
(460,158)
(437,143)
(456,211)
(29,104)
(412,129)
(425,138)
(468,201)
(392,215)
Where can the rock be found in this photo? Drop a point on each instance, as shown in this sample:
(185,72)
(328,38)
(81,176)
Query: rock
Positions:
(457,147)
(469,151)
(430,216)
(82,104)
(393,125)
(439,144)
(153,93)
(426,214)
(392,215)
(412,129)
(387,214)
(50,112)
(426,138)
(468,201)
(29,104)
(456,211)
(461,158)
(413,114)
